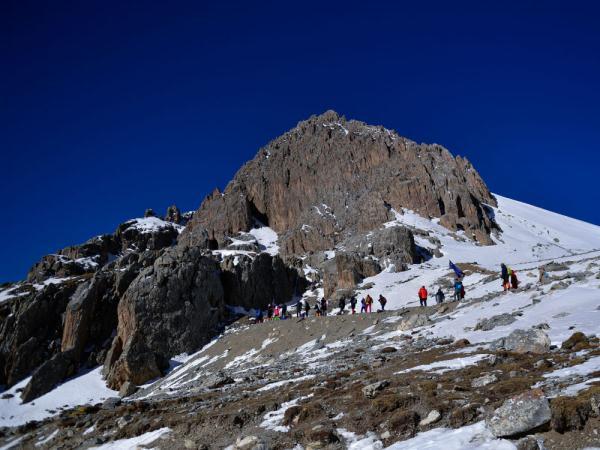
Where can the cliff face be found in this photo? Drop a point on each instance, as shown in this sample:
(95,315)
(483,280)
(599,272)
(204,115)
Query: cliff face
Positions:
(329,178)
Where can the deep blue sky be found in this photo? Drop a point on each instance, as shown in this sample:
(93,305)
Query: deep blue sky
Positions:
(108,108)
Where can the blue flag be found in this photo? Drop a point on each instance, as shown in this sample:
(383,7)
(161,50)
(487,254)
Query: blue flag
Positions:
(459,273)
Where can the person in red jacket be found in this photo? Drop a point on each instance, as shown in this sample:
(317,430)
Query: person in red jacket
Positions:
(423,296)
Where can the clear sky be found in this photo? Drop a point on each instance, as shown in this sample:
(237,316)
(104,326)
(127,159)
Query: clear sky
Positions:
(108,108)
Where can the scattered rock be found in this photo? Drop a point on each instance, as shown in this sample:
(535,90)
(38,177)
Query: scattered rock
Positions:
(321,436)
(432,417)
(528,443)
(524,341)
(389,350)
(495,321)
(462,343)
(111,403)
(484,380)
(250,443)
(414,321)
(520,414)
(372,390)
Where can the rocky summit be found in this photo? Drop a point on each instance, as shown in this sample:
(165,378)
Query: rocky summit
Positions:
(201,329)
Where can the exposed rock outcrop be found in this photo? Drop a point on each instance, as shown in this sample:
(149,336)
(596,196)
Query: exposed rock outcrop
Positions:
(31,333)
(255,282)
(328,178)
(346,270)
(172,307)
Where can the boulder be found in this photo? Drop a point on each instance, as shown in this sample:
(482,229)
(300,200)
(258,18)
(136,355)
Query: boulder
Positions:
(372,390)
(484,380)
(528,443)
(48,375)
(414,321)
(521,414)
(524,341)
(431,418)
(488,324)
(250,443)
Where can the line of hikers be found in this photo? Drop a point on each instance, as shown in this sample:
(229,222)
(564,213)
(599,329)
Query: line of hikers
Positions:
(459,293)
(303,308)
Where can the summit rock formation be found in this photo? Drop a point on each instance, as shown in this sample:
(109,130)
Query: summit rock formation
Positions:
(330,178)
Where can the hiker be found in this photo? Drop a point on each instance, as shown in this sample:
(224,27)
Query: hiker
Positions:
(284,311)
(543,274)
(306,308)
(318,308)
(458,289)
(423,296)
(514,282)
(324,306)
(342,305)
(353,304)
(382,301)
(276,312)
(504,270)
(270,311)
(363,305)
(259,316)
(369,302)
(439,296)
(462,291)
(299,308)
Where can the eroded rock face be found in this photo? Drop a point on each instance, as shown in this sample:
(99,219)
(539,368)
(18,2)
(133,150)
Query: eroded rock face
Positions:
(31,333)
(346,270)
(172,307)
(328,178)
(255,282)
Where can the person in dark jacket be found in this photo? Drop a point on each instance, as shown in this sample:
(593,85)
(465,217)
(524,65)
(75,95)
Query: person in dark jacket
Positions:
(342,305)
(504,275)
(439,296)
(259,316)
(324,306)
(353,304)
(270,311)
(363,305)
(382,301)
(299,308)
(306,308)
(458,290)
(284,311)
